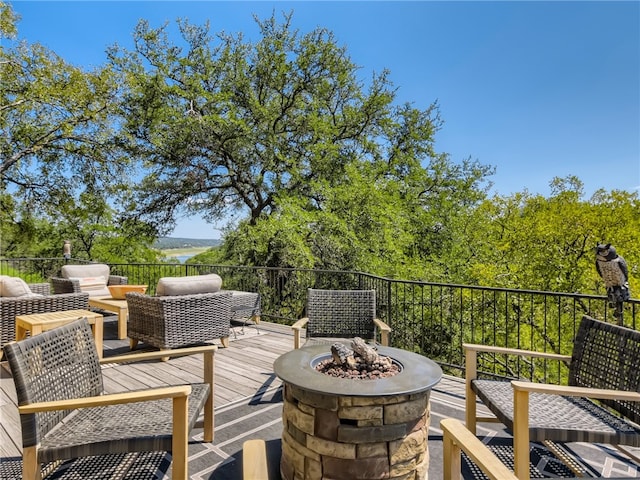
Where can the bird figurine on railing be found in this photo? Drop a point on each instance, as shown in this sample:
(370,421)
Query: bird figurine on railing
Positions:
(613,270)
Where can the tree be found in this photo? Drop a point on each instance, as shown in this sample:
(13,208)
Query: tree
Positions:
(62,172)
(284,131)
(57,123)
(532,242)
(233,125)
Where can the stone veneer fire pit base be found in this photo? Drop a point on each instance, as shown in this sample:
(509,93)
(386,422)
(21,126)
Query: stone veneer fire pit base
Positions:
(346,429)
(343,437)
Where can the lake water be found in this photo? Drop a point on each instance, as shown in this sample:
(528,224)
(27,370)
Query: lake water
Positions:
(183,258)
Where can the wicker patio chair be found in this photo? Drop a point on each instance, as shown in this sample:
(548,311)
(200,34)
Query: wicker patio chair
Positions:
(245,308)
(69,281)
(178,320)
(65,414)
(10,307)
(335,314)
(604,366)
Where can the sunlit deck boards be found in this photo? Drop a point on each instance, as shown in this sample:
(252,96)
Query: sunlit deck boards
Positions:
(9,421)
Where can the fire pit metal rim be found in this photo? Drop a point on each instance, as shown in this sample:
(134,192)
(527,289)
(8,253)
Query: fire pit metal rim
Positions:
(418,374)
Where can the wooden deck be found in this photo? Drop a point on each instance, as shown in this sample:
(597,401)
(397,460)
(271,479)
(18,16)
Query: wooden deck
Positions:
(242,370)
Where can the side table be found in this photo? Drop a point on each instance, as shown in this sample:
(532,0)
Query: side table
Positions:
(41,322)
(119,307)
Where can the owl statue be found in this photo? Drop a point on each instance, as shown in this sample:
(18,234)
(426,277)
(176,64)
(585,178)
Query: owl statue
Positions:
(613,270)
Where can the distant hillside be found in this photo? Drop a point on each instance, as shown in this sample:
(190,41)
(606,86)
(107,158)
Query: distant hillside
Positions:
(165,243)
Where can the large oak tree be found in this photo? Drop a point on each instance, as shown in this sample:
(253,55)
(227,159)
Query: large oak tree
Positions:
(286,131)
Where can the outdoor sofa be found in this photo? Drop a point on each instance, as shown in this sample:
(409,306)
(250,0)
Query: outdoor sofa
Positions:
(19,298)
(93,278)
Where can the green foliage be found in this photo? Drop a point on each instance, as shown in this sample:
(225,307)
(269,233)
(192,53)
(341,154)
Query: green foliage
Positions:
(8,21)
(63,174)
(57,119)
(533,242)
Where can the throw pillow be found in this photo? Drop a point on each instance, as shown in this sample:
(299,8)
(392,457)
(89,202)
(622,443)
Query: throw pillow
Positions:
(95,286)
(14,287)
(189,285)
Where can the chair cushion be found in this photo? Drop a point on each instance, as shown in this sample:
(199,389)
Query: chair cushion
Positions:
(188,285)
(140,426)
(86,271)
(558,418)
(14,287)
(94,286)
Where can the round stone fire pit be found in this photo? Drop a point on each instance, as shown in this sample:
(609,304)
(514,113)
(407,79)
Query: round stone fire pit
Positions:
(355,429)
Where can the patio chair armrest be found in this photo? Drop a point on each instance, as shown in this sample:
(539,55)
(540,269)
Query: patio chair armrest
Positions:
(297,327)
(254,460)
(117,280)
(108,399)
(65,285)
(300,323)
(457,438)
(599,393)
(208,351)
(471,353)
(475,347)
(40,288)
(156,354)
(384,331)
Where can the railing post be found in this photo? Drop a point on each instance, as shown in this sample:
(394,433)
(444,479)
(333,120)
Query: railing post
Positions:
(389,309)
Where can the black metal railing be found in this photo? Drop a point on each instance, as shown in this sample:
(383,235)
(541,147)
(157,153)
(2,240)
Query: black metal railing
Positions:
(432,319)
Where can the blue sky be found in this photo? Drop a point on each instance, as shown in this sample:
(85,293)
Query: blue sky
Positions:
(536,89)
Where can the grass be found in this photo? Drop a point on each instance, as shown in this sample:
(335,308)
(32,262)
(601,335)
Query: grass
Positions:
(175,252)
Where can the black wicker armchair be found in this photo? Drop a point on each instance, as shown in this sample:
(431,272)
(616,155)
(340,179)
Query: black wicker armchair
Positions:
(64,413)
(335,314)
(178,320)
(600,404)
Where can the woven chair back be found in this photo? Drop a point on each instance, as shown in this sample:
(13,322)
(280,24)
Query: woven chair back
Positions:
(607,356)
(341,313)
(55,365)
